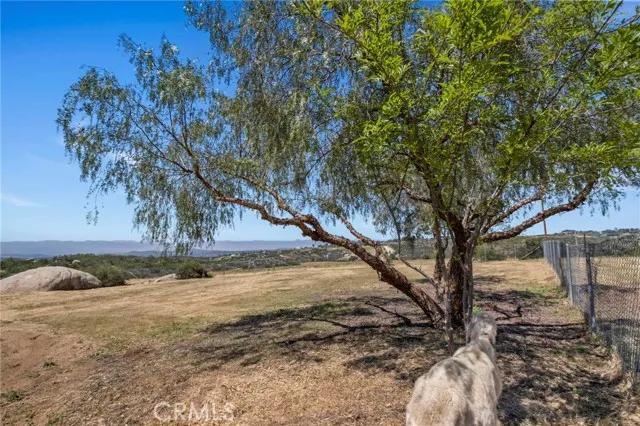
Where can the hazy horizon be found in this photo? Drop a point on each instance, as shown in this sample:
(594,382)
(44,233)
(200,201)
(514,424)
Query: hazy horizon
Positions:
(276,240)
(50,248)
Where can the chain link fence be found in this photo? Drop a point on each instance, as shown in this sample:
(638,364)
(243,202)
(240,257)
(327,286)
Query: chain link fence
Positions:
(603,280)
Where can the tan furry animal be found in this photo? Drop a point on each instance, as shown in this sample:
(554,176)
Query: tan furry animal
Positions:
(462,389)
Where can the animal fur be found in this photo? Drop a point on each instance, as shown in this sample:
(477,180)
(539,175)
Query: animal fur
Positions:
(462,389)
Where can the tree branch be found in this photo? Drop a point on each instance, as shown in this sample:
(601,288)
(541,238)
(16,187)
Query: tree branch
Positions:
(312,228)
(574,203)
(420,271)
(514,208)
(415,196)
(363,238)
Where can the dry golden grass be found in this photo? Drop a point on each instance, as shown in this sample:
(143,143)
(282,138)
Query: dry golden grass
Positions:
(314,344)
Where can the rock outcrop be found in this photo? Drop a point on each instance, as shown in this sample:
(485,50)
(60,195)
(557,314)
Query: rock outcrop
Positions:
(165,278)
(49,278)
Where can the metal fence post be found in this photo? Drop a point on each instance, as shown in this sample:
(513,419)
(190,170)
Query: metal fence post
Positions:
(569,272)
(591,285)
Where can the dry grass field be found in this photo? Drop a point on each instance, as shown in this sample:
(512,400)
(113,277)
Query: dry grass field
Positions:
(321,343)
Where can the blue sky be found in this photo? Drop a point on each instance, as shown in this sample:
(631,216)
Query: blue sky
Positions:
(45,46)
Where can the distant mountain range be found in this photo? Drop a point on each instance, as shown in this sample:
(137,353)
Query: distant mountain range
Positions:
(50,248)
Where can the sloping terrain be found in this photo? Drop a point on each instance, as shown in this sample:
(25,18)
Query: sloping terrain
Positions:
(321,343)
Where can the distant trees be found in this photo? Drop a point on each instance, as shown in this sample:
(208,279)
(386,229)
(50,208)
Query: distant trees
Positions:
(465,115)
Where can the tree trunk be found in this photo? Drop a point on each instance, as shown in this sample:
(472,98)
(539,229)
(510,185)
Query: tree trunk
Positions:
(456,285)
(460,282)
(439,271)
(419,296)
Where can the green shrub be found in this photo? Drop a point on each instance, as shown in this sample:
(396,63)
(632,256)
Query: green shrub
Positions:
(12,395)
(110,276)
(488,253)
(191,269)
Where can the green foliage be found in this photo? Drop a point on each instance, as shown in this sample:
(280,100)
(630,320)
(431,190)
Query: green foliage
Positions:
(489,253)
(336,108)
(156,266)
(191,269)
(135,266)
(109,275)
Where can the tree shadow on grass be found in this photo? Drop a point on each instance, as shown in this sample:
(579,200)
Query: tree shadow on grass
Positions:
(488,279)
(365,333)
(553,373)
(548,369)
(551,370)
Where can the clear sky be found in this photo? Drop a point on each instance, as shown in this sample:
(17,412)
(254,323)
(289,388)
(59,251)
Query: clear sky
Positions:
(44,47)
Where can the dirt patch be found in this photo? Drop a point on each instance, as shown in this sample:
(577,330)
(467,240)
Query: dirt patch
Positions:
(337,347)
(37,363)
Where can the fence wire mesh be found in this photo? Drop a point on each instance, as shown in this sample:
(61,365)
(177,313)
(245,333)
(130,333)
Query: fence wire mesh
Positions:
(603,280)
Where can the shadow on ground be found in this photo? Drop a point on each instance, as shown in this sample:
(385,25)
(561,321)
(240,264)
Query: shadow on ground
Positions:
(374,333)
(551,374)
(552,371)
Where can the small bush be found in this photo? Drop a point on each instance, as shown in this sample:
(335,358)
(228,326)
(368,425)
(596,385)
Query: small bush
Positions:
(12,395)
(110,276)
(488,253)
(191,269)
